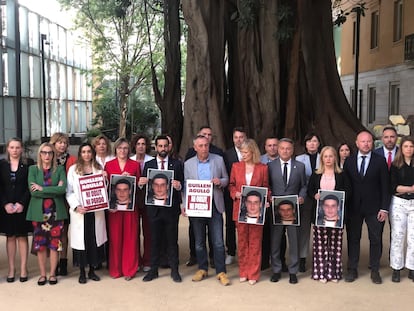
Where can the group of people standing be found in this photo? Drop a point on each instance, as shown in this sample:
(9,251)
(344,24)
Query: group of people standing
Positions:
(40,199)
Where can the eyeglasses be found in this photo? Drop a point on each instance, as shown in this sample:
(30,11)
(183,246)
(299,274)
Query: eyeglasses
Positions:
(46,152)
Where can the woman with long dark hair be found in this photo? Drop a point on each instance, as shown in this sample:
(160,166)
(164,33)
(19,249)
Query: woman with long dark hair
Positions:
(402,209)
(88,229)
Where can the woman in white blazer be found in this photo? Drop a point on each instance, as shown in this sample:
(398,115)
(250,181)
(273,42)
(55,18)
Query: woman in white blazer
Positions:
(88,229)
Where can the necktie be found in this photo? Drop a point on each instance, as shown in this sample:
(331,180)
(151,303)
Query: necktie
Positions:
(362,167)
(162,164)
(389,159)
(285,173)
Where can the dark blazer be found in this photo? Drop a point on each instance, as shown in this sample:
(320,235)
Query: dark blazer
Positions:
(260,178)
(177,167)
(297,179)
(230,157)
(372,192)
(380,151)
(342,183)
(17,191)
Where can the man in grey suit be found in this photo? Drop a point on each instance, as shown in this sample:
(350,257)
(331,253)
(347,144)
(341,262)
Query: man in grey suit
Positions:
(286,177)
(209,166)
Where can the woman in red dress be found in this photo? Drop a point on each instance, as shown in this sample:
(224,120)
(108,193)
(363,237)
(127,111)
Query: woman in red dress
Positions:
(123,225)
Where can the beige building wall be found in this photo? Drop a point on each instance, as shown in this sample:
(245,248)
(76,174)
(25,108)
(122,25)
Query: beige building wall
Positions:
(382,69)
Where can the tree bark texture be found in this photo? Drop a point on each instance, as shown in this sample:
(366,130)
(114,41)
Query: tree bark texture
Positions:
(243,76)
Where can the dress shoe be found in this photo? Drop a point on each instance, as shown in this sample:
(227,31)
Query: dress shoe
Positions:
(191,262)
(293,279)
(63,267)
(229,259)
(223,279)
(411,274)
(151,275)
(41,281)
(82,279)
(375,277)
(23,279)
(395,276)
(92,276)
(53,280)
(302,265)
(176,276)
(351,276)
(199,275)
(275,277)
(10,279)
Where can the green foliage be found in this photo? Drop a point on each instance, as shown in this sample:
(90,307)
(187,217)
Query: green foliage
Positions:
(142,117)
(342,15)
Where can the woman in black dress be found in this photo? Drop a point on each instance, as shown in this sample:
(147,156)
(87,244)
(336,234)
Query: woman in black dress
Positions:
(15,197)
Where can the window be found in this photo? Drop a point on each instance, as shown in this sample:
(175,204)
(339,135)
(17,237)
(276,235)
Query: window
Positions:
(398,19)
(394,102)
(372,93)
(374,29)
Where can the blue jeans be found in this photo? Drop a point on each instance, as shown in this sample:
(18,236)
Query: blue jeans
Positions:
(215,228)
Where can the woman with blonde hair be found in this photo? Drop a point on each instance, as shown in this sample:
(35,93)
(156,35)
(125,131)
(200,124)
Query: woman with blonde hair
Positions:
(88,229)
(249,172)
(14,200)
(47,209)
(327,242)
(102,146)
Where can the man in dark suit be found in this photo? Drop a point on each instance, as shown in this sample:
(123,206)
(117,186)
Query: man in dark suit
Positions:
(211,167)
(207,132)
(286,177)
(370,202)
(164,220)
(231,156)
(389,148)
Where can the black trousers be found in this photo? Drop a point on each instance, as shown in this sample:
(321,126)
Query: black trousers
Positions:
(354,228)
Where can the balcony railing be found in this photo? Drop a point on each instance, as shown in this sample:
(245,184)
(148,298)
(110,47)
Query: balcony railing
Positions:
(409,48)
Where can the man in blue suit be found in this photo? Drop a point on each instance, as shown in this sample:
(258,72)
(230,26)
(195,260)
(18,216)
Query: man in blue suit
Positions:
(370,202)
(286,177)
(209,166)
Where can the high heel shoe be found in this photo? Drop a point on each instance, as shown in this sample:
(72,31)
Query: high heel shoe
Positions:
(10,279)
(42,280)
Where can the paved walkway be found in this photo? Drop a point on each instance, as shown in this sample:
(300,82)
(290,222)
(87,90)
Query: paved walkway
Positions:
(164,294)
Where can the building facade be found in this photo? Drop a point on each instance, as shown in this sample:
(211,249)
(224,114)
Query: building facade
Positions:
(386,59)
(44,77)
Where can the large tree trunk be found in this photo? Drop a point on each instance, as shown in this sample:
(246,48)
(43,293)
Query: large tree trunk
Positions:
(323,107)
(255,74)
(205,69)
(170,103)
(287,94)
